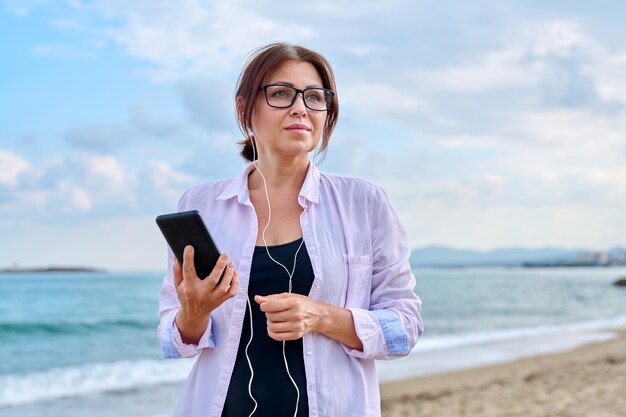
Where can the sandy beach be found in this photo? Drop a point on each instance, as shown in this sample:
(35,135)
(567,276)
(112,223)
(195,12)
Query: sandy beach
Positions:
(589,381)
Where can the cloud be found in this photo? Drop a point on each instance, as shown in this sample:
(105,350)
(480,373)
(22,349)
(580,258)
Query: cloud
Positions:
(493,210)
(105,172)
(141,126)
(209,102)
(213,157)
(78,198)
(191,37)
(101,137)
(473,142)
(586,130)
(548,158)
(574,146)
(64,51)
(492,227)
(375,99)
(142,122)
(16,7)
(610,77)
(167,182)
(93,181)
(121,242)
(486,124)
(12,166)
(69,184)
(552,64)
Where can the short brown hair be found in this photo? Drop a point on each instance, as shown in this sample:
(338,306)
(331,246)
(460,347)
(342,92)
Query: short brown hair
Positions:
(261,62)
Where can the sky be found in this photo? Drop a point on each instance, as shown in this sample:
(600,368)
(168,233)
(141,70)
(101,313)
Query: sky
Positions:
(489,124)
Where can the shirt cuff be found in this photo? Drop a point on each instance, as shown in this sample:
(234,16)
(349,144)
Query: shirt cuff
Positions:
(396,339)
(174,347)
(369,332)
(381,333)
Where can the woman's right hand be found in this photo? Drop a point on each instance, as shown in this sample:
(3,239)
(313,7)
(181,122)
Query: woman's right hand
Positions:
(198,298)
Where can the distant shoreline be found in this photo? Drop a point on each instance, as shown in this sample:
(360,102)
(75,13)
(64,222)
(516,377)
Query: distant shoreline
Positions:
(51,269)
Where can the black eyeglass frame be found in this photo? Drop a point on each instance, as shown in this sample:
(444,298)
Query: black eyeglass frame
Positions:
(328,94)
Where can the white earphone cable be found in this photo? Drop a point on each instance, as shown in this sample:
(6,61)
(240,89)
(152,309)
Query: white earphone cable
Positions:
(249,362)
(290,274)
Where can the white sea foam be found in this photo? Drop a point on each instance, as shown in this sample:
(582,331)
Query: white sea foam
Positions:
(431,355)
(449,353)
(89,379)
(438,342)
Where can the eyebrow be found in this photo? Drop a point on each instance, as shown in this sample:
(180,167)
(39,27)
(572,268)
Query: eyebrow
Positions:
(293,85)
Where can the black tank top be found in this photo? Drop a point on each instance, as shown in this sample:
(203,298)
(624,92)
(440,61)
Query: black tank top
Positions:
(271,386)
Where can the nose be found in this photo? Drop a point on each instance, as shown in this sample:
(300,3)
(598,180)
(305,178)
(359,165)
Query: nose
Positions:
(298,106)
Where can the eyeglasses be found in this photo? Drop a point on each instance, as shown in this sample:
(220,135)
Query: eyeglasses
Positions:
(283,96)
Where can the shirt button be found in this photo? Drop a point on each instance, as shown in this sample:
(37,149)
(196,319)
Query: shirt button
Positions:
(309,352)
(311,387)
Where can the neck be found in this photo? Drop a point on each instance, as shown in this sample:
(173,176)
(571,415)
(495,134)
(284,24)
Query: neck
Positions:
(280,173)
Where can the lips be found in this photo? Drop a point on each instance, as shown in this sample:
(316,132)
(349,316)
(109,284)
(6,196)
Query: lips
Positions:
(297,127)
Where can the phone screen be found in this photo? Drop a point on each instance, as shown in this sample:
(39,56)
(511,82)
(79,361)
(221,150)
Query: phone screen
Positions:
(188,228)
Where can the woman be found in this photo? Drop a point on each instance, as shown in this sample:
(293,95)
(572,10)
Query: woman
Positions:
(315,281)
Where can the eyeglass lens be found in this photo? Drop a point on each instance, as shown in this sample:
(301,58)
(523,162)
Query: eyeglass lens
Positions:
(284,96)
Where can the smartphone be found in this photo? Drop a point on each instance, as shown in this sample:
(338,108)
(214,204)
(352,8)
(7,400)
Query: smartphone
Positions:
(187,228)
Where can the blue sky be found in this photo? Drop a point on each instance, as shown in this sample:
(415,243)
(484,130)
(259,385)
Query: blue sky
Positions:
(489,124)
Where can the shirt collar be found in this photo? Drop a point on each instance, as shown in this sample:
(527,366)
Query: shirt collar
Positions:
(238,186)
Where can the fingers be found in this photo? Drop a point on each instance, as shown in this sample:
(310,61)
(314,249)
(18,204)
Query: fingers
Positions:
(200,297)
(234,285)
(280,316)
(280,336)
(289,316)
(178,273)
(274,303)
(189,269)
(226,277)
(286,326)
(229,283)
(219,268)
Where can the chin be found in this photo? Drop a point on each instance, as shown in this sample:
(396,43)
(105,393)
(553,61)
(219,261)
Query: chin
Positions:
(299,150)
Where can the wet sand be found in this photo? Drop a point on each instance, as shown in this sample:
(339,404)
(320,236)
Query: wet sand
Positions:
(589,381)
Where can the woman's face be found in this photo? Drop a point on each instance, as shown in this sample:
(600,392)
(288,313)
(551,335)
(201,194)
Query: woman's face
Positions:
(294,130)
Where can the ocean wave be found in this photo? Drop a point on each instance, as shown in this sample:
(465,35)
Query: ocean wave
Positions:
(483,351)
(479,338)
(82,327)
(17,389)
(88,379)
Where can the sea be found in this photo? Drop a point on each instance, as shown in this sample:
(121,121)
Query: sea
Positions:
(85,344)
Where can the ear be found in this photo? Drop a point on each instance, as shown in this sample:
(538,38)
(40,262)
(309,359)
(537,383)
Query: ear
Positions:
(239,107)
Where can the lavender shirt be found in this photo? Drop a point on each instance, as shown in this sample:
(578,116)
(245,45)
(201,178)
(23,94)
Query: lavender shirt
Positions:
(360,258)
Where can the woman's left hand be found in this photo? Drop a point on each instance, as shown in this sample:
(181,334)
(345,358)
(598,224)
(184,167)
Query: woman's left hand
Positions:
(291,316)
